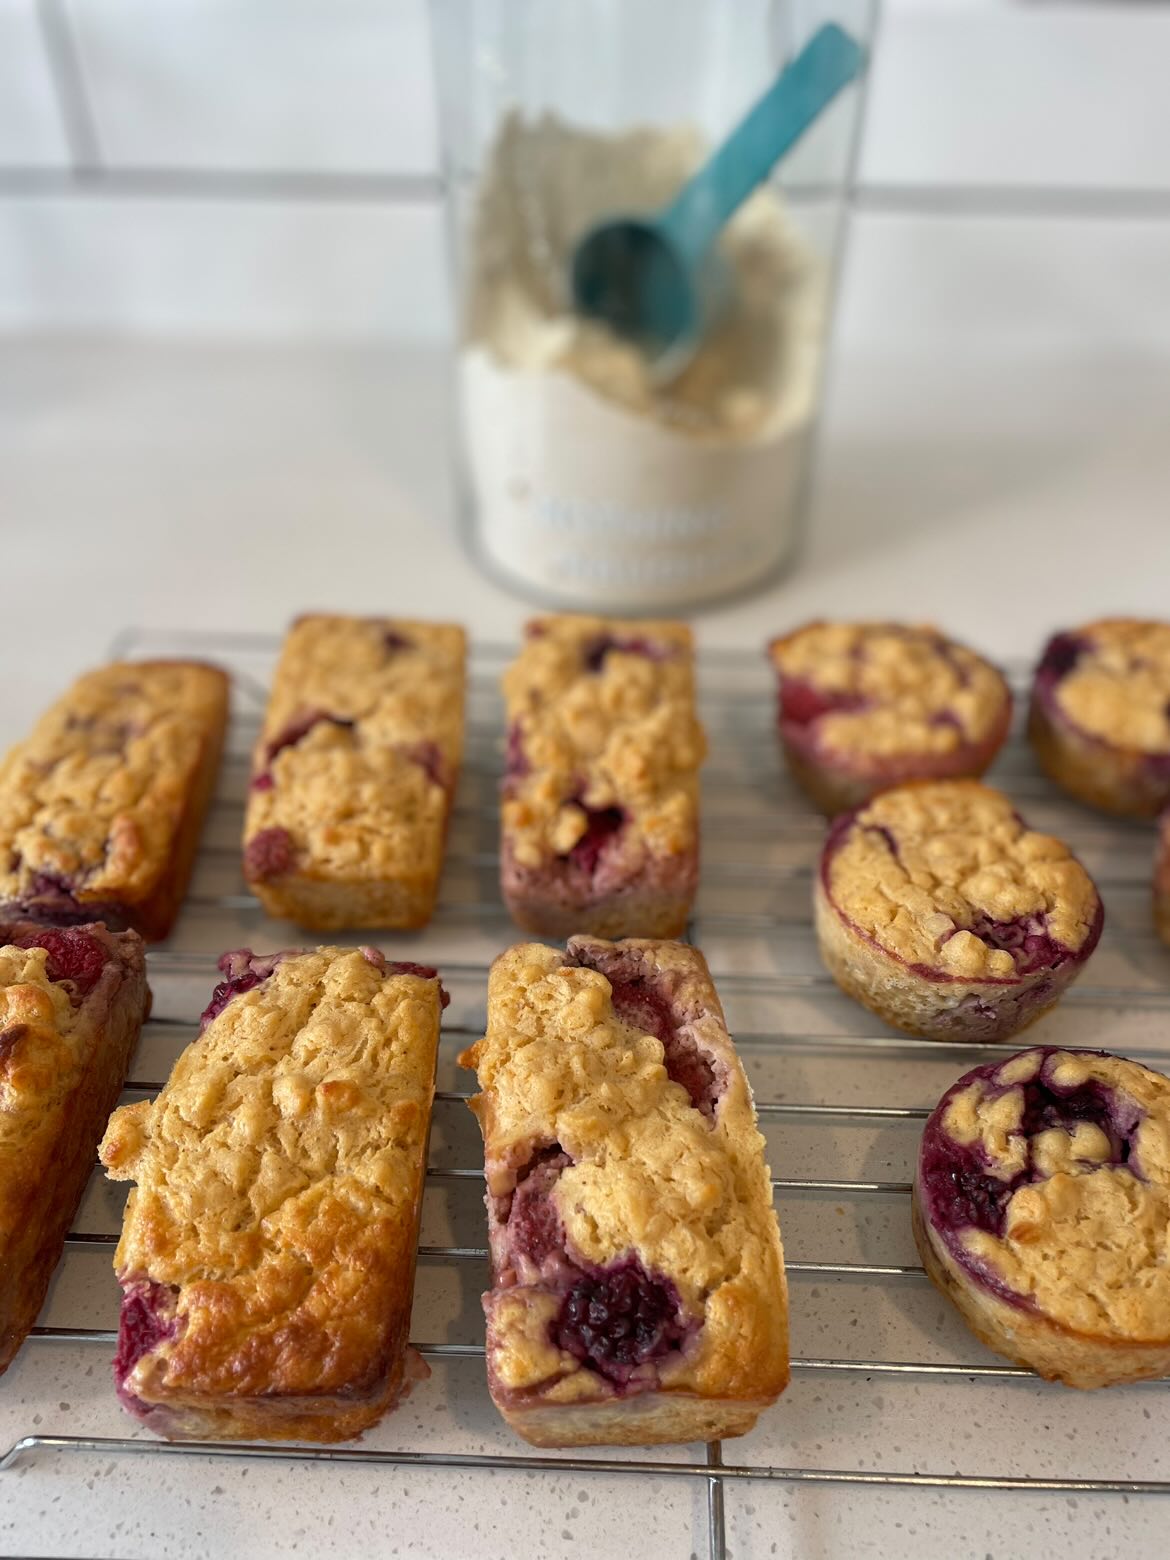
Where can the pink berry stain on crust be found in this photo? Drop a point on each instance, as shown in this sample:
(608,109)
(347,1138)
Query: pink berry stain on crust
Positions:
(147,1319)
(244,970)
(73,955)
(429,757)
(289,735)
(596,650)
(51,897)
(648,1008)
(1026,938)
(268,854)
(1061,654)
(614,1319)
(960,1189)
(602,826)
(801,703)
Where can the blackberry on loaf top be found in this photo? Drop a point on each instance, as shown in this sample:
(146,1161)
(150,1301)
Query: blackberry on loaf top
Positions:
(638,1290)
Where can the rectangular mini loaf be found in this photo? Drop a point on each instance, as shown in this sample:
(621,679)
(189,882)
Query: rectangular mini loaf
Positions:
(268,1250)
(600,816)
(72,1002)
(638,1291)
(354,772)
(101,807)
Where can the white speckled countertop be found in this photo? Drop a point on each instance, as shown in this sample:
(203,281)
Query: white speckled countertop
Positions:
(228,488)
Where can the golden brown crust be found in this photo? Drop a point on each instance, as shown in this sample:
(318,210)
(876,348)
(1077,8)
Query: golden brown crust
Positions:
(926,859)
(279,1185)
(1058,1250)
(1099,719)
(1119,688)
(1030,1340)
(63,1058)
(362,796)
(866,706)
(101,807)
(649,1175)
(904,677)
(923,893)
(601,716)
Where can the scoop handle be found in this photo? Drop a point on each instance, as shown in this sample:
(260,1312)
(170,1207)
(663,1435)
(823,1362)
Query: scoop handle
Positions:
(806,86)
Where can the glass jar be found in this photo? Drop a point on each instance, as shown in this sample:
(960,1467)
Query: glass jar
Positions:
(584,483)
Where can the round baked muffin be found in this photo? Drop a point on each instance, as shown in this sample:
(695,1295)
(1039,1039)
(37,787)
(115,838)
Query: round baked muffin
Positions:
(939,910)
(866,706)
(1042,1209)
(1100,714)
(1162,879)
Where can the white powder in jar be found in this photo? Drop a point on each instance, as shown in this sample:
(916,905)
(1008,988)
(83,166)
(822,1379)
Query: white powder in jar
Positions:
(593,485)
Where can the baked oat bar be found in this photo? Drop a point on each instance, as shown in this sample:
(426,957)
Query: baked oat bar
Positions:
(939,910)
(72,1002)
(268,1249)
(867,706)
(638,1291)
(1100,715)
(600,816)
(101,807)
(354,772)
(1042,1209)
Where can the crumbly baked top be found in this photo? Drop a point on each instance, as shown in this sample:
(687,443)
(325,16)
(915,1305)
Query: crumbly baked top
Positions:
(278,1174)
(1049,1174)
(946,876)
(648,1173)
(883,690)
(361,744)
(47,1034)
(1112,679)
(601,716)
(92,800)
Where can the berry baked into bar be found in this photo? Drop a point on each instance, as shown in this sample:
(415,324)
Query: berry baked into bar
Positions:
(72,1002)
(600,815)
(1042,1209)
(867,706)
(1100,715)
(268,1249)
(939,910)
(354,772)
(101,807)
(638,1291)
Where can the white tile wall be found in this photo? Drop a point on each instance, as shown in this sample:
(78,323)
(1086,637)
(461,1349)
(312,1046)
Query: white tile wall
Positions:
(1025,93)
(191,92)
(321,85)
(31,132)
(222,267)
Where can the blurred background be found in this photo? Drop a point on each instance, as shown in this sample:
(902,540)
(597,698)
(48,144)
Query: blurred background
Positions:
(224,310)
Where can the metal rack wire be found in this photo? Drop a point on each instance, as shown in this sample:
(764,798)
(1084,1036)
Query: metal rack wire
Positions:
(751,917)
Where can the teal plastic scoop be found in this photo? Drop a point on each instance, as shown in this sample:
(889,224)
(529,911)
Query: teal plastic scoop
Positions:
(656,280)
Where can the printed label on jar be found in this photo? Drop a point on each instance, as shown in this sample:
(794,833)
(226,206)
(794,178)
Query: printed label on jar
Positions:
(585,502)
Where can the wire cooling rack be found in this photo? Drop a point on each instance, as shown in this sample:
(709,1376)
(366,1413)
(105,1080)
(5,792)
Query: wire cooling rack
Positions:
(840,1100)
